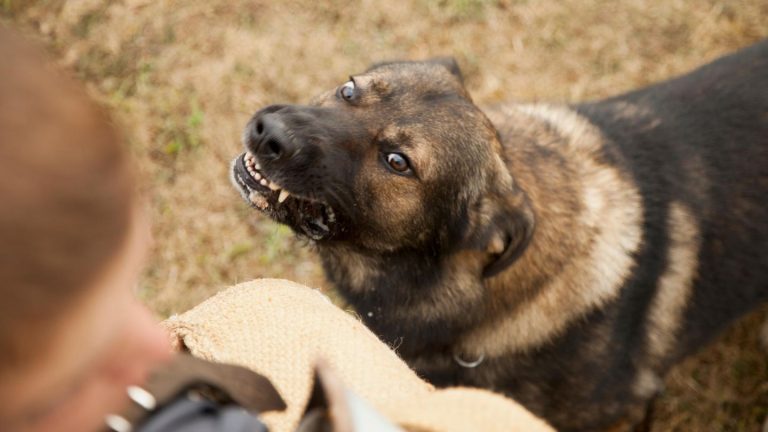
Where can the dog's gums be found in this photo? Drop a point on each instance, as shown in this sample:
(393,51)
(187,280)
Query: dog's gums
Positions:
(314,218)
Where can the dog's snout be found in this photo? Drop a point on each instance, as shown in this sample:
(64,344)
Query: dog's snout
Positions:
(269,138)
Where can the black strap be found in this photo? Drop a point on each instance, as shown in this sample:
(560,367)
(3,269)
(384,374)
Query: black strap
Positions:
(194,379)
(188,415)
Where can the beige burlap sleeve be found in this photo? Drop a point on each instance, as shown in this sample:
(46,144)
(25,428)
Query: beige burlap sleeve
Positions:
(279,329)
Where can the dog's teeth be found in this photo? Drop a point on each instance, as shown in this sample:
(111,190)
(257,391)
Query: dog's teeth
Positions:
(264,182)
(256,165)
(283,195)
(257,176)
(273,186)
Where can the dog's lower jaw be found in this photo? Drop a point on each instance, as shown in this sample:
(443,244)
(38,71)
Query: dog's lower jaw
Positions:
(312,219)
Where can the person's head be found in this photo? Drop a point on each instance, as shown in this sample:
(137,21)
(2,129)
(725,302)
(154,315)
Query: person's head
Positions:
(72,238)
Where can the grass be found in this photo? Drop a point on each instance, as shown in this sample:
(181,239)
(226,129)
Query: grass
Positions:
(184,77)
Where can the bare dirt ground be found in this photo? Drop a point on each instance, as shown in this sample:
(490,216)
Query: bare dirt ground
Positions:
(183,78)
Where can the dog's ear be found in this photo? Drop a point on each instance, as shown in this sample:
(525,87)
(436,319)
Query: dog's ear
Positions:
(449,63)
(446,62)
(506,237)
(377,65)
(500,223)
(505,222)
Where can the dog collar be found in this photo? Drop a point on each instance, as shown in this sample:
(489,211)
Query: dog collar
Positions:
(468,364)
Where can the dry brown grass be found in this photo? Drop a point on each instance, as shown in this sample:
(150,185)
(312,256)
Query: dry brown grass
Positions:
(183,78)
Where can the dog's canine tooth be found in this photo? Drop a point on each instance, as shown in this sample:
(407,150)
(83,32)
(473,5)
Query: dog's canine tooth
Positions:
(273,186)
(283,196)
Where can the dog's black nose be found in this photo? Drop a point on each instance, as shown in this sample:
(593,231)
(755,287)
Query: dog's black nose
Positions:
(269,138)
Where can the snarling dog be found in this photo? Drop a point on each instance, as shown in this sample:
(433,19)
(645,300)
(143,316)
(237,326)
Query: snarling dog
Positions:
(564,255)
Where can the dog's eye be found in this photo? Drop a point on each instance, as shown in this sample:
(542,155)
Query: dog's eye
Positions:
(347,91)
(398,162)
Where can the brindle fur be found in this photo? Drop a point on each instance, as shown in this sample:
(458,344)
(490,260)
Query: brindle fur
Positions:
(580,250)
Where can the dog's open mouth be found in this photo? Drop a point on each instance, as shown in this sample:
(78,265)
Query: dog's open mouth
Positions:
(308,216)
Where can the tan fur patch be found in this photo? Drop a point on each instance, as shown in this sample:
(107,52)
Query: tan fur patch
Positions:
(672,294)
(609,230)
(675,284)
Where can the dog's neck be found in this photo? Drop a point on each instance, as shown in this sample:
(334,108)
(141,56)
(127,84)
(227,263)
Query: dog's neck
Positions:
(588,225)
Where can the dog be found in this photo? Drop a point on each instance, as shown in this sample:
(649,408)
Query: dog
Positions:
(564,255)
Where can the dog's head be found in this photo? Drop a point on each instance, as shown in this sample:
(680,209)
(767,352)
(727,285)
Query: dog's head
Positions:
(396,158)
